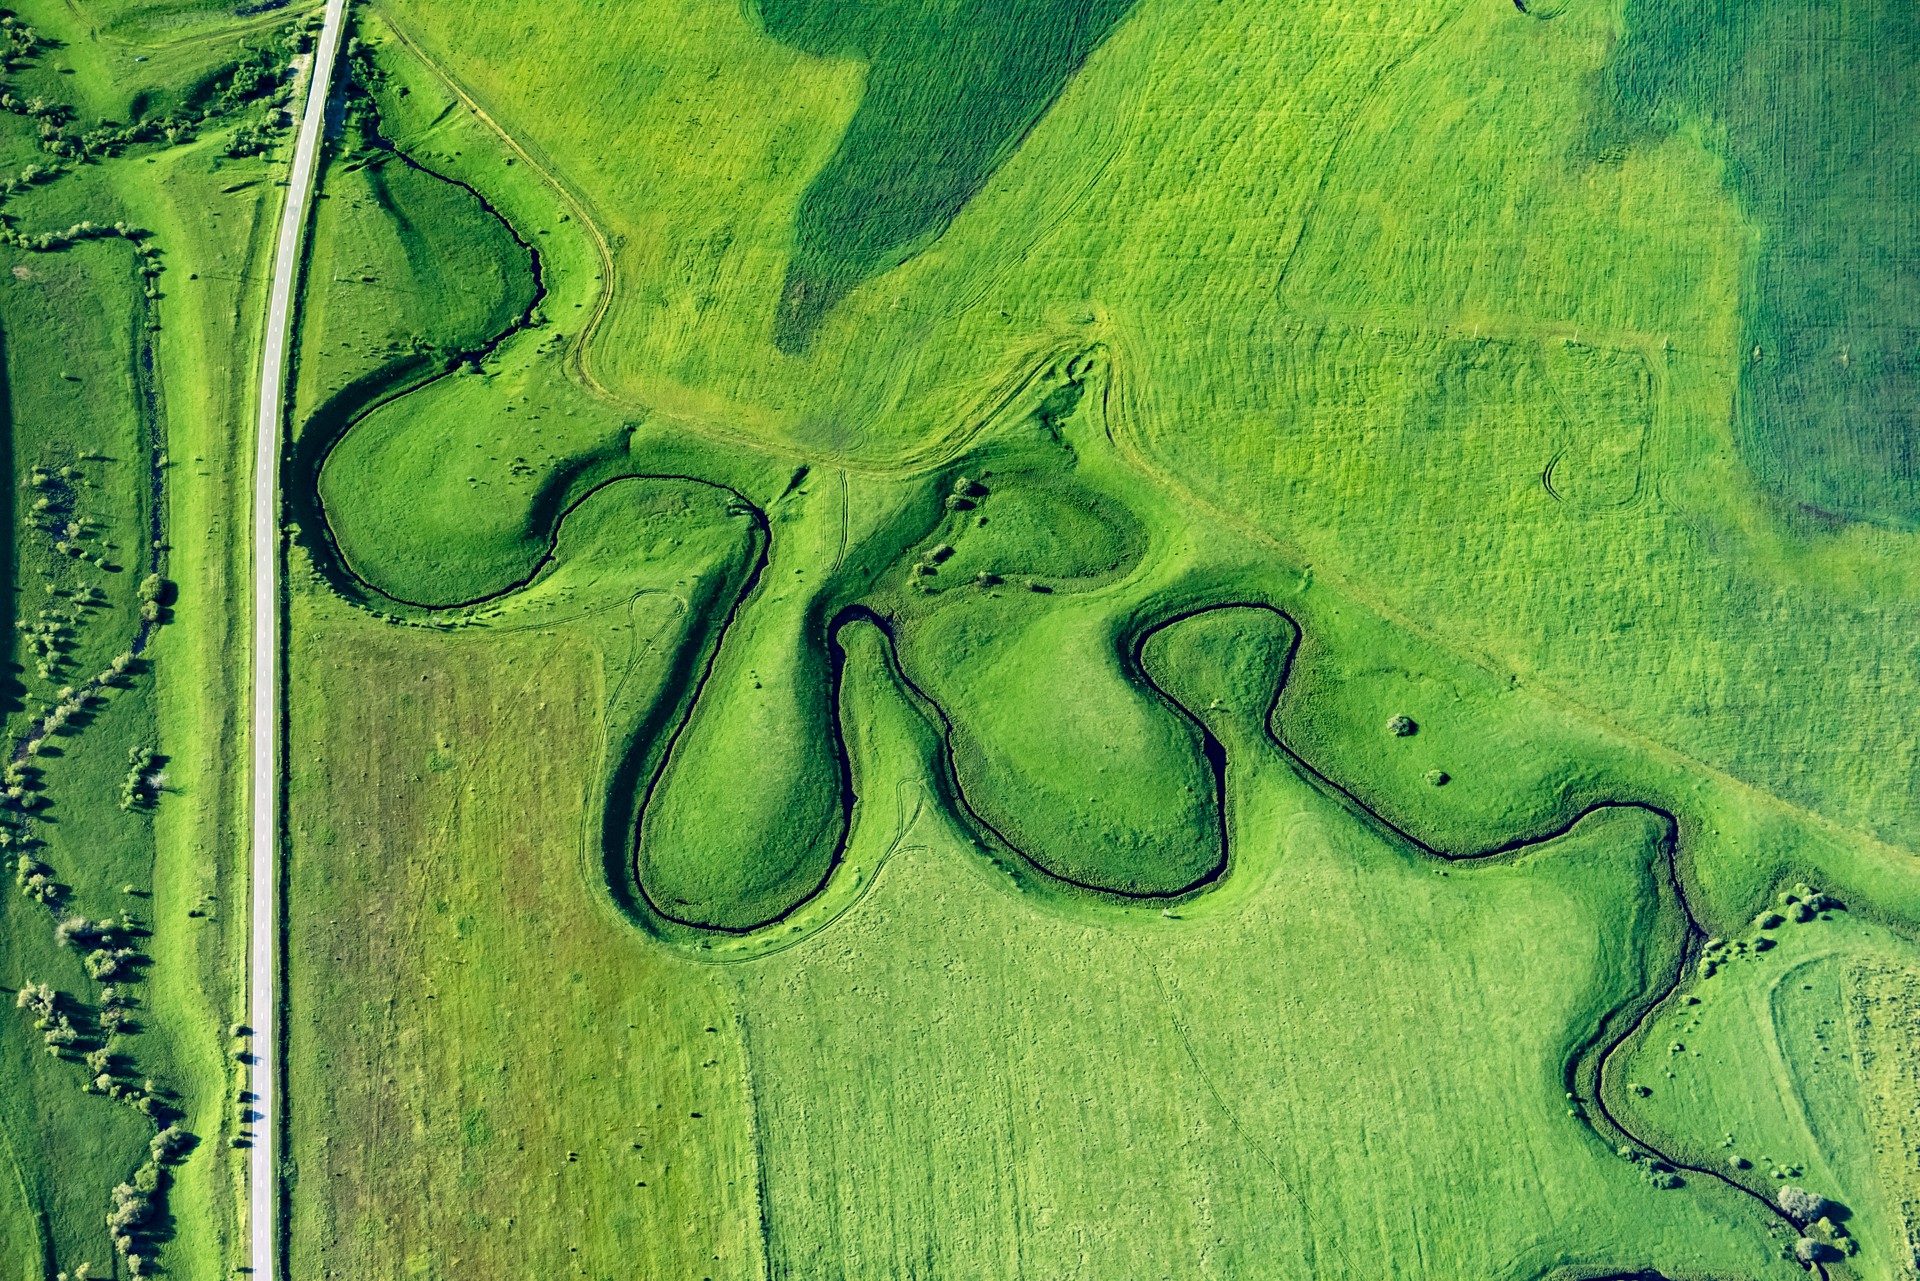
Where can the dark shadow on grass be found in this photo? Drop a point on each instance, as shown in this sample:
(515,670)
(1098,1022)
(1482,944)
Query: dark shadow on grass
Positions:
(952,90)
(1810,106)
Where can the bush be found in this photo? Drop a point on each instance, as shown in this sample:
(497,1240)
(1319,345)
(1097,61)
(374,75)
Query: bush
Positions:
(168,1145)
(1807,1250)
(1799,1204)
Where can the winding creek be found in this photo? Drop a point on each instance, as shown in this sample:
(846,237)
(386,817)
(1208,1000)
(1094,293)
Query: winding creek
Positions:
(637,779)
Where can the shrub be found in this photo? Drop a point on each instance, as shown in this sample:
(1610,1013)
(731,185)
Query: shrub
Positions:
(1799,1204)
(108,963)
(168,1145)
(1807,1250)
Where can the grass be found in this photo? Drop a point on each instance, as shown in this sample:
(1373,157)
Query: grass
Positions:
(527,1083)
(950,91)
(75,325)
(126,391)
(1268,177)
(1059,891)
(1768,1075)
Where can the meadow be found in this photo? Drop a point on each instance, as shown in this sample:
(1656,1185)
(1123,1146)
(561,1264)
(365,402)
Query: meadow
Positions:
(1209,670)
(131,144)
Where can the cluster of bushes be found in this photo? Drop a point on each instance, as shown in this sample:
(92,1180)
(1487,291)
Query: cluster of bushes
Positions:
(136,1204)
(928,565)
(1803,903)
(60,141)
(264,75)
(1718,951)
(50,1018)
(62,712)
(1800,904)
(153,589)
(108,956)
(35,880)
(20,794)
(1656,1172)
(47,639)
(965,494)
(1821,1238)
(22,42)
(85,229)
(257,137)
(267,75)
(138,788)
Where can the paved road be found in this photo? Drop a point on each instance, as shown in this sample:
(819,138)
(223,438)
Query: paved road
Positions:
(263,1218)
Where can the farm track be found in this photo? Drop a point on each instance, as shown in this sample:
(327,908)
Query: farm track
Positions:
(577,349)
(1585,1074)
(265,1193)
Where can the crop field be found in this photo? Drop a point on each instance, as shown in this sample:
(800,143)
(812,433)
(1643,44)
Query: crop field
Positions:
(1106,640)
(1099,639)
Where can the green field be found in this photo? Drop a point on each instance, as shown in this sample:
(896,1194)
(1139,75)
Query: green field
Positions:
(1106,640)
(137,142)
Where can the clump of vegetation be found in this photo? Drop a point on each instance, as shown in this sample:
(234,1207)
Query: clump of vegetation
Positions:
(50,1018)
(1803,903)
(22,42)
(152,590)
(1799,1204)
(141,785)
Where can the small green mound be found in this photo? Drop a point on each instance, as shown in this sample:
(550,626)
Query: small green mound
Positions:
(747,813)
(1062,750)
(1023,527)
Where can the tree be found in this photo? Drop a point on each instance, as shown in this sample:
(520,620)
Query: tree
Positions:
(1799,1204)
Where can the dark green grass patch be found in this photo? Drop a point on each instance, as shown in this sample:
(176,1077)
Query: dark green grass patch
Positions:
(952,89)
(1812,106)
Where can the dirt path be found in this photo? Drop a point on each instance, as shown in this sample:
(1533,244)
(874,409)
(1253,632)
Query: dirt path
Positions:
(263,1182)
